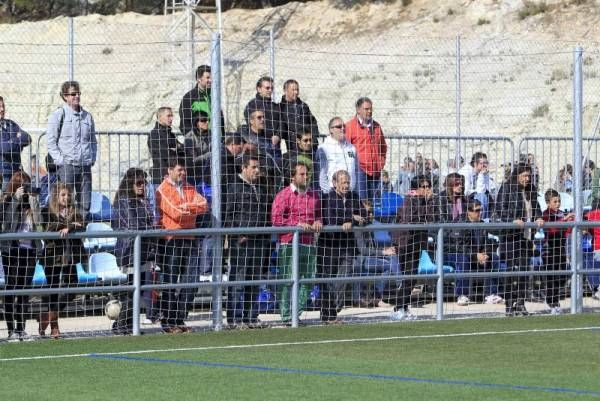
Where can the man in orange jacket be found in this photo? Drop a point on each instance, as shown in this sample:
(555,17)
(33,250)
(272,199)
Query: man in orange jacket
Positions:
(367,137)
(179,204)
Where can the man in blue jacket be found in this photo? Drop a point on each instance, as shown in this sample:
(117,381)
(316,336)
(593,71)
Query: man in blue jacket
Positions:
(12,141)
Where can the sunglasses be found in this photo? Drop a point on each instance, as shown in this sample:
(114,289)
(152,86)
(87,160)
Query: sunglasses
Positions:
(338,126)
(203,120)
(475,211)
(139,183)
(73,94)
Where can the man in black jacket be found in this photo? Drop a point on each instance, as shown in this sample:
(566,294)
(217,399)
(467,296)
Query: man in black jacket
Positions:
(163,145)
(272,115)
(247,206)
(196,100)
(339,207)
(296,115)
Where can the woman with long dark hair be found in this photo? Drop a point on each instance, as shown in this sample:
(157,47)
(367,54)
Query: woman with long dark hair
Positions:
(60,255)
(20,215)
(132,211)
(517,203)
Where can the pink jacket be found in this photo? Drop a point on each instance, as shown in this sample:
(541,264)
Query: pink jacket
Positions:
(291,207)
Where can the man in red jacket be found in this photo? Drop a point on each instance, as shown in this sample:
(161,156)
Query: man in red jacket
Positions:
(367,137)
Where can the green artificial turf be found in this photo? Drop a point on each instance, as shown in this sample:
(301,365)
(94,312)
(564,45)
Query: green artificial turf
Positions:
(549,365)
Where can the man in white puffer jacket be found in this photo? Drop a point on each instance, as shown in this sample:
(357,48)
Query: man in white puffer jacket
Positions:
(335,154)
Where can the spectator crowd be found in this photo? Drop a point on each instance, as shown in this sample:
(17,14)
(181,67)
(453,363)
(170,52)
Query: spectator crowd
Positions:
(274,172)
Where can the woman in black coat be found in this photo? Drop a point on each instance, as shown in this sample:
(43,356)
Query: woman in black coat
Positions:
(132,211)
(517,203)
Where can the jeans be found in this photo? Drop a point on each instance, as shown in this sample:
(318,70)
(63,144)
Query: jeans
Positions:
(192,276)
(369,186)
(377,266)
(592,262)
(79,179)
(463,263)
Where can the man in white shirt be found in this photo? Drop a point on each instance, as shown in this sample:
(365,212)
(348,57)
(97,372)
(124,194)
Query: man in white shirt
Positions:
(334,154)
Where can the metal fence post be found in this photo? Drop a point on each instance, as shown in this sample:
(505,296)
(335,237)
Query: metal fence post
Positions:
(215,118)
(458,101)
(137,256)
(295,276)
(70,49)
(576,254)
(439,261)
(191,25)
(272,60)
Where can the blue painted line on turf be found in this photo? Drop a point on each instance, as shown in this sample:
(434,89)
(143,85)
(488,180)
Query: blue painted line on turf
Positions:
(348,374)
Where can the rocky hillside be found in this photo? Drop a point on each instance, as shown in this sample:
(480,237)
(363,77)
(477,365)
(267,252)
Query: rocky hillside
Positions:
(515,65)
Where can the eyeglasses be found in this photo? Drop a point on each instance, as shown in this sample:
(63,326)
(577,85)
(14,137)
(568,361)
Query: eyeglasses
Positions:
(341,126)
(475,211)
(73,94)
(139,183)
(203,120)
(306,140)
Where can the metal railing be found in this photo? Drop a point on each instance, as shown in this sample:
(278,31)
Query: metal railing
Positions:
(218,285)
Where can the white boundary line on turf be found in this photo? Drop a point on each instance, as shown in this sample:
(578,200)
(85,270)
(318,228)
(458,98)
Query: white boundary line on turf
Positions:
(315,342)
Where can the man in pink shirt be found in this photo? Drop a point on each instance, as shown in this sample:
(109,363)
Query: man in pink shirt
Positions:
(296,205)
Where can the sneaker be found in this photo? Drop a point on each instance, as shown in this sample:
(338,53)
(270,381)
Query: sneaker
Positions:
(493,299)
(409,316)
(596,295)
(24,337)
(398,315)
(13,337)
(463,300)
(555,311)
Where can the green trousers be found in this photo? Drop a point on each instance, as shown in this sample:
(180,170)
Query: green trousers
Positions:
(307,260)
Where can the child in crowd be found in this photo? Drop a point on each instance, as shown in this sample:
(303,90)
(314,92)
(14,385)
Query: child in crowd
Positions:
(555,255)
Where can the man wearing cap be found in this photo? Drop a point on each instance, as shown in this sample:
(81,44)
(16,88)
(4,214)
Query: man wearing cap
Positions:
(197,150)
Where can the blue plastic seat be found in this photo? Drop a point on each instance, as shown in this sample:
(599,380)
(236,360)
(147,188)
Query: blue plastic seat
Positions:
(99,244)
(39,276)
(426,265)
(84,277)
(100,208)
(387,205)
(104,265)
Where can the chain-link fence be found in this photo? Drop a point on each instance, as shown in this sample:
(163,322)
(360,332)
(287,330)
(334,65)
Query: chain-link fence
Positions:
(436,99)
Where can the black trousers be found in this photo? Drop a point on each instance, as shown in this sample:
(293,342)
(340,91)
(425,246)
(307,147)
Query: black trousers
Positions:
(334,261)
(247,260)
(19,265)
(175,256)
(516,252)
